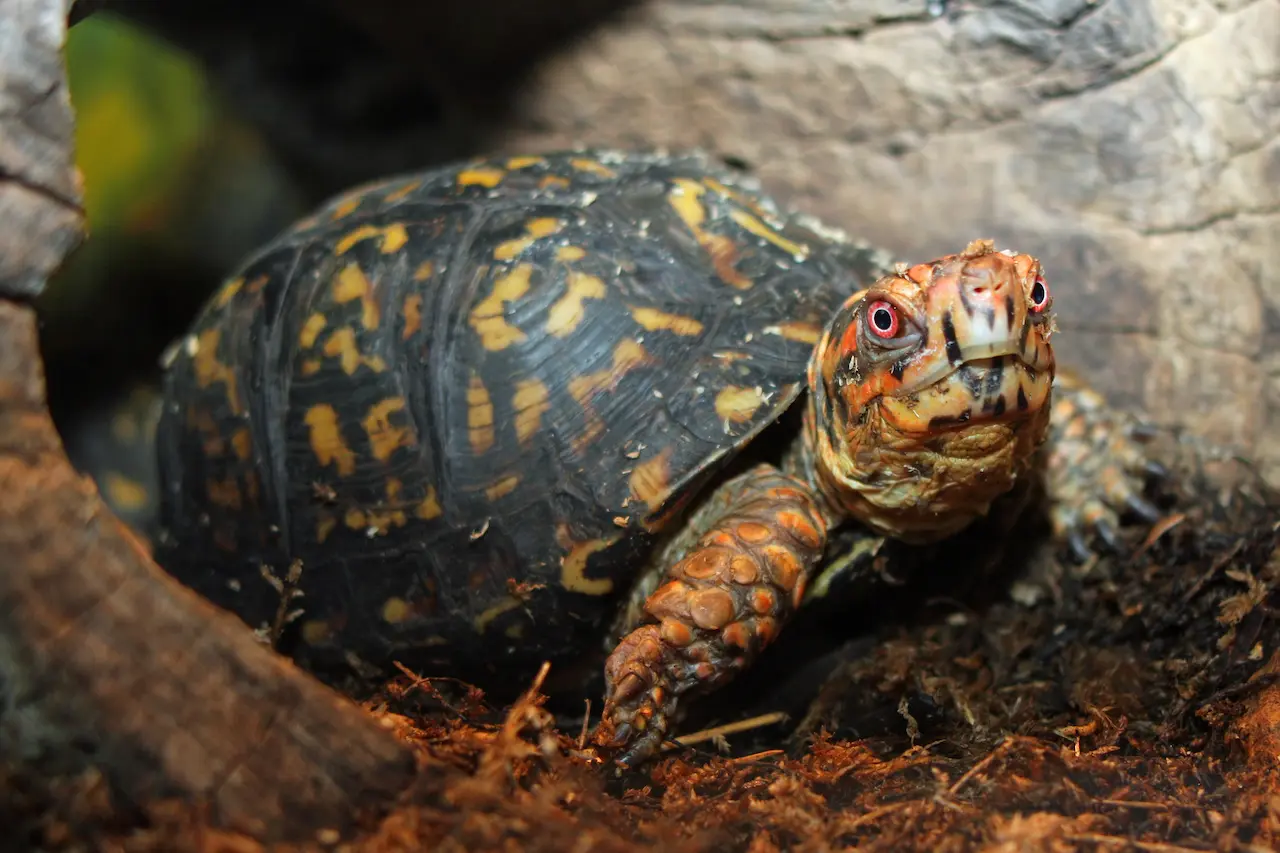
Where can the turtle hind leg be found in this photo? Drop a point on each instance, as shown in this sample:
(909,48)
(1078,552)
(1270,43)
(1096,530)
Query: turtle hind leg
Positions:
(1097,469)
(720,604)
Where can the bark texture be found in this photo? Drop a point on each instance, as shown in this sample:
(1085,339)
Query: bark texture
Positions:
(106,663)
(1133,144)
(39,189)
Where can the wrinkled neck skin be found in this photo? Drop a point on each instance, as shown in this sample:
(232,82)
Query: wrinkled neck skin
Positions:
(914,488)
(919,448)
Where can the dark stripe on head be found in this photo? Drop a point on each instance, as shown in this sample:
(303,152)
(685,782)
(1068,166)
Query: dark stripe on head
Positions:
(972,381)
(954,354)
(998,408)
(898,368)
(1023,405)
(994,374)
(944,421)
(1010,309)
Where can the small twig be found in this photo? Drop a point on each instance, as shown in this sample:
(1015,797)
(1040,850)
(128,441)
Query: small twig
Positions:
(1147,804)
(1160,528)
(586,718)
(288,590)
(1155,846)
(977,768)
(874,814)
(420,681)
(755,756)
(1213,570)
(727,729)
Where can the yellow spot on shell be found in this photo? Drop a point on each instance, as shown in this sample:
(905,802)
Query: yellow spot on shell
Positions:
(316,631)
(805,333)
(570,253)
(310,367)
(208,369)
(326,439)
(342,346)
(242,442)
(523,162)
(479,416)
(353,284)
(736,404)
(125,494)
(398,194)
(228,292)
(593,167)
(482,621)
(487,317)
(573,565)
(503,487)
(425,270)
(124,428)
(568,311)
(686,198)
(740,197)
(651,319)
(384,437)
(412,315)
(549,181)
(534,230)
(651,480)
(485,176)
(395,610)
(627,355)
(758,228)
(347,206)
(430,506)
(530,402)
(311,330)
(393,237)
(324,527)
(224,493)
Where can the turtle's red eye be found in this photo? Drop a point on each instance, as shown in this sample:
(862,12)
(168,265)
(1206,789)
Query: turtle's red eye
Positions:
(1039,294)
(882,317)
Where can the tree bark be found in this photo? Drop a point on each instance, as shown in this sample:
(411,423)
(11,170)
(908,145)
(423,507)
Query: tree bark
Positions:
(105,661)
(1133,144)
(39,188)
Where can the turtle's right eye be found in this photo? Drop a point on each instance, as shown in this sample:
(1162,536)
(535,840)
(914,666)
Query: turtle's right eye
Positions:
(883,320)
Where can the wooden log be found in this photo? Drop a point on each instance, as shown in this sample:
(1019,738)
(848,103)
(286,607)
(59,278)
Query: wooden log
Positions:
(40,194)
(105,661)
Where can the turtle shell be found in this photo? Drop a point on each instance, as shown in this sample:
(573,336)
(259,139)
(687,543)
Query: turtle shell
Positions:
(470,401)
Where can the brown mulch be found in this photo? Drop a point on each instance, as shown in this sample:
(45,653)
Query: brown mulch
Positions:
(1123,705)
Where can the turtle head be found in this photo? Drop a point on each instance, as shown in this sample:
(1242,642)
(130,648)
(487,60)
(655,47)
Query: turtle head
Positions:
(930,391)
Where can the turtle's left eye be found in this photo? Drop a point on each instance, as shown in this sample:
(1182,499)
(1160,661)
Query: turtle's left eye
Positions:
(883,319)
(1039,294)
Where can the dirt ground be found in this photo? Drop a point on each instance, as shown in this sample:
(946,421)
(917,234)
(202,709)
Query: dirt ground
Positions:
(1122,704)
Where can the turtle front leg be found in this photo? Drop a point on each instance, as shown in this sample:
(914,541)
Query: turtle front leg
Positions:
(1097,467)
(723,600)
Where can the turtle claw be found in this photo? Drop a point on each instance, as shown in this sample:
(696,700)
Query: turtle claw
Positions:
(1156,471)
(1097,472)
(639,702)
(1143,508)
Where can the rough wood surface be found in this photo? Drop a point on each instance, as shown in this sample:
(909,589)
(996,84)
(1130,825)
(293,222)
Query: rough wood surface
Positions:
(40,194)
(1133,144)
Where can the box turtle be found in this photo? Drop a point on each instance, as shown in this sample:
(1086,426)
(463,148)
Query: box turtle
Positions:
(502,410)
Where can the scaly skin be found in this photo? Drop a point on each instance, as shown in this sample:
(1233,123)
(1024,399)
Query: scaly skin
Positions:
(912,431)
(1095,468)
